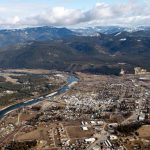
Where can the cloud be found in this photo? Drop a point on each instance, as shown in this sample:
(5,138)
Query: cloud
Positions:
(131,13)
(56,16)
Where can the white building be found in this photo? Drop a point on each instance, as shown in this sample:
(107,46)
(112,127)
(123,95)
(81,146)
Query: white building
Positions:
(90,140)
(84,128)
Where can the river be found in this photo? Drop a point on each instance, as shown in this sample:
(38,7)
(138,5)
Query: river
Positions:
(71,79)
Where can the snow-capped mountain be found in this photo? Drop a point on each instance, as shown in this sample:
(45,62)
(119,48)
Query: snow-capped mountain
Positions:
(92,31)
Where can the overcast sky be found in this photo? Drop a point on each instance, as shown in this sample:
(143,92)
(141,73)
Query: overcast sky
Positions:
(24,13)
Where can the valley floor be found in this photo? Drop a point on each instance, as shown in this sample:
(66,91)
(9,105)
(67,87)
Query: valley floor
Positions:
(98,112)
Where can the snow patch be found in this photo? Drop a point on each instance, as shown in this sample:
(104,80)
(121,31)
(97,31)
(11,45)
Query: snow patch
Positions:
(118,34)
(124,39)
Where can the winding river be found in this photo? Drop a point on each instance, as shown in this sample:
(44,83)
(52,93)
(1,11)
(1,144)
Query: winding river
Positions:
(70,80)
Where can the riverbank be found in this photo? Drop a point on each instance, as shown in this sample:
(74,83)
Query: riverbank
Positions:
(71,79)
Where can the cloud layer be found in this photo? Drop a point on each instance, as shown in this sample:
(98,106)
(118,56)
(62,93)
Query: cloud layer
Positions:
(129,14)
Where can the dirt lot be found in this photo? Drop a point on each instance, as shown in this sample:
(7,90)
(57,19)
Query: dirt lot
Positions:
(138,145)
(34,71)
(144,131)
(77,132)
(39,134)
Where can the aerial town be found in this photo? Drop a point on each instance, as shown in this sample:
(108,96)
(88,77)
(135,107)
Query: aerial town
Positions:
(74,74)
(89,112)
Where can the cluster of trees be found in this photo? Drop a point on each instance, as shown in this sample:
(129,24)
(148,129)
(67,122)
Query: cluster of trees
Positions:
(31,78)
(21,145)
(37,83)
(34,120)
(10,98)
(129,128)
(29,84)
(103,70)
(2,79)
(20,92)
(10,86)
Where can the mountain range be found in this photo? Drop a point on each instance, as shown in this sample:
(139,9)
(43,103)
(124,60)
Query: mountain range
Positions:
(94,49)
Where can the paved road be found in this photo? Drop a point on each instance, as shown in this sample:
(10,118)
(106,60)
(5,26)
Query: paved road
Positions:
(102,138)
(132,118)
(135,114)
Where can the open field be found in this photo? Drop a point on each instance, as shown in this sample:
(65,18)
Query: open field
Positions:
(144,131)
(54,134)
(34,71)
(38,134)
(75,132)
